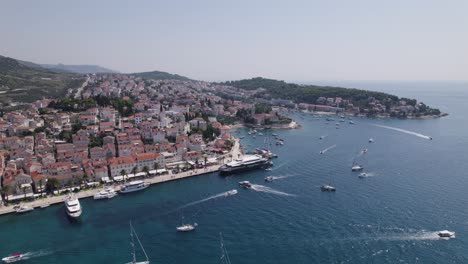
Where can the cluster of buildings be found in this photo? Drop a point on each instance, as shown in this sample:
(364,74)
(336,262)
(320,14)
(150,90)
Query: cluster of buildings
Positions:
(166,129)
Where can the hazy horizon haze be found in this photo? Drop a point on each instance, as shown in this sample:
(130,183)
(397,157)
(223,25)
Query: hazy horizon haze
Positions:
(219,40)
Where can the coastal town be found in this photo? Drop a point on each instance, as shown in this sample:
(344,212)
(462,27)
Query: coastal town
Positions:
(116,128)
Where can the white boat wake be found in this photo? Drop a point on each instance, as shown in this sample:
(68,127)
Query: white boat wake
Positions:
(404,131)
(35,254)
(284,176)
(421,235)
(265,189)
(327,149)
(223,194)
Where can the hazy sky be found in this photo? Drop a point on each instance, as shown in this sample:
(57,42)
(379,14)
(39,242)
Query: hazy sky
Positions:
(224,40)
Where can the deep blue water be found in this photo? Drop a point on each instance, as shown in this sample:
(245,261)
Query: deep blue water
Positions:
(418,187)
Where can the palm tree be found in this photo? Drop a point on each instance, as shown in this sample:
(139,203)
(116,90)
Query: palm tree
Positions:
(134,170)
(5,190)
(123,173)
(40,186)
(206,159)
(156,166)
(146,170)
(24,188)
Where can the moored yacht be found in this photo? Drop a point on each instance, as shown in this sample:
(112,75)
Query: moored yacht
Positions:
(73,206)
(248,162)
(134,186)
(106,193)
(371,140)
(23,209)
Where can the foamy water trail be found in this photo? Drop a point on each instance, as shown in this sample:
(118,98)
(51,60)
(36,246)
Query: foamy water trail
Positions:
(284,176)
(327,149)
(421,235)
(265,189)
(223,194)
(275,168)
(39,253)
(404,131)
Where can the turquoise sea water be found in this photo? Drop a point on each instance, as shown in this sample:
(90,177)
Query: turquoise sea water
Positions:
(417,188)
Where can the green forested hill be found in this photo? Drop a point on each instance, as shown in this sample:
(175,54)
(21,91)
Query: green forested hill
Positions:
(310,93)
(24,82)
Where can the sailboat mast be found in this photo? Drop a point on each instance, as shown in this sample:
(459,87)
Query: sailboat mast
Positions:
(139,242)
(224,253)
(132,243)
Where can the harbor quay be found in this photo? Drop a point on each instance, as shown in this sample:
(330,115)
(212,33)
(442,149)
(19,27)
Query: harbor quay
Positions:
(235,152)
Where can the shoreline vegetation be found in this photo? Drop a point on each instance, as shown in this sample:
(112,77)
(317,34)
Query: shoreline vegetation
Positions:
(335,100)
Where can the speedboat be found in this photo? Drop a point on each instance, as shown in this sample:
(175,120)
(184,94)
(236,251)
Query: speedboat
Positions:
(17,256)
(446,234)
(357,168)
(268,169)
(260,134)
(269,179)
(274,134)
(45,206)
(371,140)
(73,206)
(328,188)
(351,122)
(245,184)
(106,193)
(23,209)
(186,227)
(231,192)
(363,175)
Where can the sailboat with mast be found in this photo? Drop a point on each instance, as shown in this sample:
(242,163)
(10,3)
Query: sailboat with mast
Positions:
(224,254)
(134,235)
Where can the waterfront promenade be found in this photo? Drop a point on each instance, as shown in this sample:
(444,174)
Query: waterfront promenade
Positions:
(49,200)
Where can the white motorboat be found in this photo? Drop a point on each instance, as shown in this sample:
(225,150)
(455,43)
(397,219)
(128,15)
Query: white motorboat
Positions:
(269,179)
(186,227)
(132,235)
(245,184)
(446,234)
(371,140)
(106,193)
(134,186)
(357,168)
(351,122)
(23,209)
(17,256)
(328,188)
(45,206)
(231,192)
(363,175)
(73,206)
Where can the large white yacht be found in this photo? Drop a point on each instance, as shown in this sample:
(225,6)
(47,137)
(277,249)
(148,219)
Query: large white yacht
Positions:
(134,186)
(106,193)
(73,207)
(248,162)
